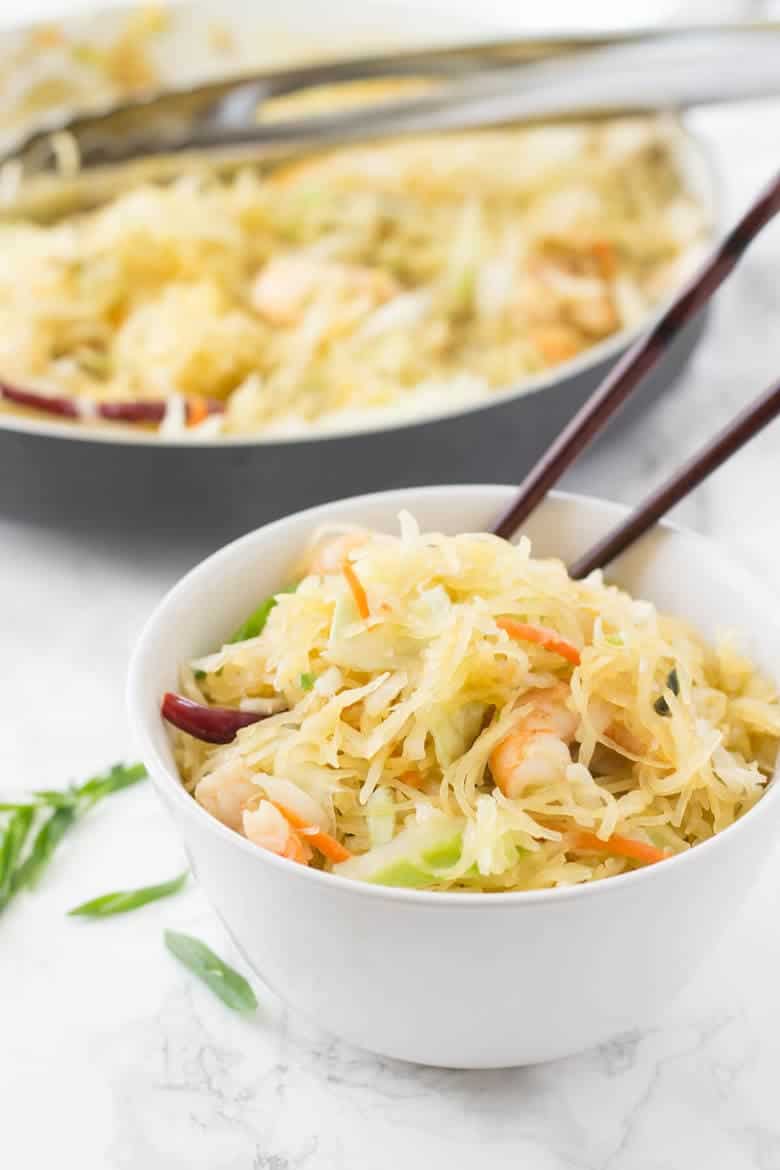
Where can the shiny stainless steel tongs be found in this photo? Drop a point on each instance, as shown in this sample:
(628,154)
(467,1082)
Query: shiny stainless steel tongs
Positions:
(473,85)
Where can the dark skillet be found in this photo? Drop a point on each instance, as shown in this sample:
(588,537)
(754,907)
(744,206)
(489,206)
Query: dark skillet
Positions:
(64,475)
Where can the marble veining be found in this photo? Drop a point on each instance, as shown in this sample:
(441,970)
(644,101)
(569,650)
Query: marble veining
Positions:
(112,1059)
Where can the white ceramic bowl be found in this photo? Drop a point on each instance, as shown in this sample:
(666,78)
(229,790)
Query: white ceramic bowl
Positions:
(462,980)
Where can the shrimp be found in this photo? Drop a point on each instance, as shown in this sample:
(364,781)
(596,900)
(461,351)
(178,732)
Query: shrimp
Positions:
(226,792)
(267,827)
(578,301)
(285,286)
(329,555)
(595,315)
(555,343)
(536,751)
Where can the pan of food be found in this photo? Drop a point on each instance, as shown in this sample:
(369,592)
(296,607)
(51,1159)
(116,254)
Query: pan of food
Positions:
(217,350)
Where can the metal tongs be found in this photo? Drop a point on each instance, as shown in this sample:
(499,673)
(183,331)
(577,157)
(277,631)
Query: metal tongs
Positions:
(476,85)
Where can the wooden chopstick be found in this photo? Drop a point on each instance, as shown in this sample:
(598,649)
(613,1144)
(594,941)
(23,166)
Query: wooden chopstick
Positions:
(739,431)
(624,378)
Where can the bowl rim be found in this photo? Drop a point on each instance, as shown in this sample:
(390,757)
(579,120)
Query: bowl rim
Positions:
(696,152)
(169,785)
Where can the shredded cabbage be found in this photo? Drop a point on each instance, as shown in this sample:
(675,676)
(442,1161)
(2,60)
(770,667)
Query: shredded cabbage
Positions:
(393,279)
(443,751)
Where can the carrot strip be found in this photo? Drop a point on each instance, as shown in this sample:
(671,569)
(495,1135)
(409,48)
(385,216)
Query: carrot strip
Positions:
(540,636)
(327,845)
(412,778)
(358,592)
(298,850)
(197,409)
(618,846)
(604,255)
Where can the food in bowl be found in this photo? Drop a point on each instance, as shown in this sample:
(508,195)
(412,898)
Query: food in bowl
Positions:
(657,926)
(368,284)
(450,713)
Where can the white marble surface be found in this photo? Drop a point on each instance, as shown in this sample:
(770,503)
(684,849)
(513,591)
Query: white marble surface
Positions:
(110,1056)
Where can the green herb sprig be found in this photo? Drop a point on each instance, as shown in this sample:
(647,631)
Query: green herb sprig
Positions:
(21,864)
(255,623)
(11,847)
(44,844)
(226,983)
(123,901)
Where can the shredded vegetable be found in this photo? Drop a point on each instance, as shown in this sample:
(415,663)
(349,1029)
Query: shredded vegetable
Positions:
(619,847)
(327,845)
(493,725)
(357,590)
(541,636)
(393,280)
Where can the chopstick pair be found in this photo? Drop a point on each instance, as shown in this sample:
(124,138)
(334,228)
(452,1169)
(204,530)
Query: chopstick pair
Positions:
(624,379)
